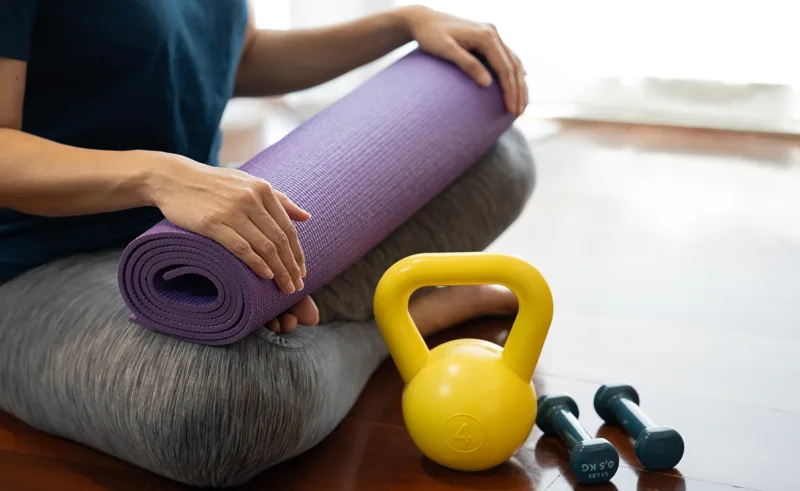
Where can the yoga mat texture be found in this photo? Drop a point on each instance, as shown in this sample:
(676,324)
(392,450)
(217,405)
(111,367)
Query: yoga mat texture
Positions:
(361,167)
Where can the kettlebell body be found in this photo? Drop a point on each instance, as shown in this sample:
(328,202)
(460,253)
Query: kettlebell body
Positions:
(466,409)
(468,404)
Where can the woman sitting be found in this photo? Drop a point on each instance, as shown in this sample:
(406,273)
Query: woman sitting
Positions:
(109,122)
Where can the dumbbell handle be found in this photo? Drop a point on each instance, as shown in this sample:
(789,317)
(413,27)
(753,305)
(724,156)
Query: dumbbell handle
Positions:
(569,429)
(630,415)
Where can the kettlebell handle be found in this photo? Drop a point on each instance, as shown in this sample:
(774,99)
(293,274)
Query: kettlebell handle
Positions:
(409,350)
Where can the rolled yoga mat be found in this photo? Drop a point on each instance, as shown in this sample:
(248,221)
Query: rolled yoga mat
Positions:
(361,167)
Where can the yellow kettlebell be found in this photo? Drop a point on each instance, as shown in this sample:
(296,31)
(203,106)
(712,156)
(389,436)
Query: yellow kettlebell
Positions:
(468,404)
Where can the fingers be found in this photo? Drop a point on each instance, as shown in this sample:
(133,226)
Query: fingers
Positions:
(522,86)
(239,247)
(266,239)
(288,241)
(489,43)
(244,215)
(294,211)
(256,239)
(485,40)
(469,64)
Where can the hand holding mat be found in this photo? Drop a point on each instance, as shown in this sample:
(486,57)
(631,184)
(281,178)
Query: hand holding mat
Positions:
(361,167)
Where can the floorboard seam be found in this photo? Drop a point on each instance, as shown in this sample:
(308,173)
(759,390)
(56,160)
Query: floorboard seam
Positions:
(554,481)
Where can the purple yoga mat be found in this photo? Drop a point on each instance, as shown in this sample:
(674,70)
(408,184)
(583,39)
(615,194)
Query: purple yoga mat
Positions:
(361,167)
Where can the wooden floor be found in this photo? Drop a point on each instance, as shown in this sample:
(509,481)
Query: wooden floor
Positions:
(674,259)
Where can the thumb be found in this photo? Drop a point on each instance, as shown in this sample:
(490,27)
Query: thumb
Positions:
(294,211)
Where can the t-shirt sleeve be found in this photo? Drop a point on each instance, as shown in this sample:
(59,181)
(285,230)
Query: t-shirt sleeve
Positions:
(16,28)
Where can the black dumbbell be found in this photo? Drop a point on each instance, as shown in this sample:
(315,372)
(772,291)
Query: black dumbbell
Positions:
(592,460)
(658,448)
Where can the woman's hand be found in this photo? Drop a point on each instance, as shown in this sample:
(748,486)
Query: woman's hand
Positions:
(242,213)
(452,39)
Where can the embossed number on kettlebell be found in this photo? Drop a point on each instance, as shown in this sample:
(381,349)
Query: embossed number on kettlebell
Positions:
(463,433)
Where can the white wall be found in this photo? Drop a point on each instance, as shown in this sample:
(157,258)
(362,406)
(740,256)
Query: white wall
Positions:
(711,63)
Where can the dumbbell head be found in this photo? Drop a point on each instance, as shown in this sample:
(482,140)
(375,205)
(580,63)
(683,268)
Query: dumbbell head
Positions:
(594,461)
(547,405)
(659,448)
(606,393)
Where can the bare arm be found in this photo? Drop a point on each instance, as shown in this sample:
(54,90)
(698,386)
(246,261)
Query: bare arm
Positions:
(46,178)
(41,177)
(278,62)
(242,213)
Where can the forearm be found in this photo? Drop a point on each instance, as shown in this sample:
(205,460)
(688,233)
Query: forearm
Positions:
(41,177)
(279,62)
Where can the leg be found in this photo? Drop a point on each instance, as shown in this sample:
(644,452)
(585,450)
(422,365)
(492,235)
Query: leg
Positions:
(72,365)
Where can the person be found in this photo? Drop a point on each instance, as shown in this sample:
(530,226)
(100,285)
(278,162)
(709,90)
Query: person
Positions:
(108,114)
(110,121)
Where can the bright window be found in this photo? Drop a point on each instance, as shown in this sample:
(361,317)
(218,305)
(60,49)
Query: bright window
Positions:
(708,63)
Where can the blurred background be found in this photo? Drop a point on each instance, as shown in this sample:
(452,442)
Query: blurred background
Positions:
(702,63)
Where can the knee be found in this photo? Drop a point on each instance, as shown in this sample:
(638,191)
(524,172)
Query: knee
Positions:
(494,193)
(233,422)
(510,174)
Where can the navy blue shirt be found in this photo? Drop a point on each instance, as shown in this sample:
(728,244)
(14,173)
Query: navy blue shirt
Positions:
(116,75)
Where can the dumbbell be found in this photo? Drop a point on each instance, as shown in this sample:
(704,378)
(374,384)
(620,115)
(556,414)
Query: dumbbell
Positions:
(658,448)
(592,460)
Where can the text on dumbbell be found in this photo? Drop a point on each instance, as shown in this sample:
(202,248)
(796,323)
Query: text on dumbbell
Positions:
(602,465)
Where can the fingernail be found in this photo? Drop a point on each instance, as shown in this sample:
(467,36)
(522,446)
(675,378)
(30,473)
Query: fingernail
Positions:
(290,288)
(268,274)
(486,80)
(299,284)
(303,271)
